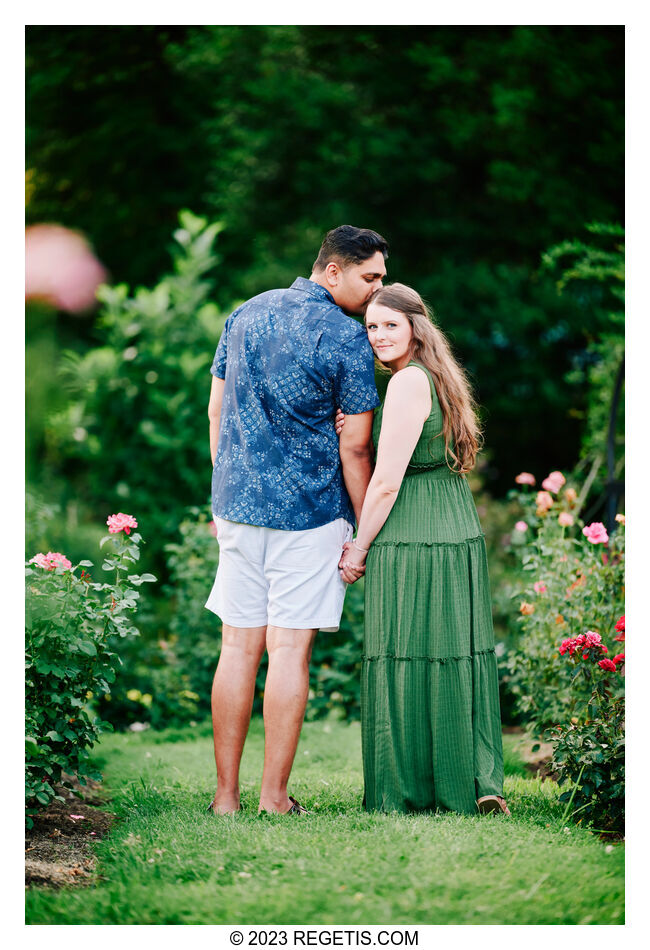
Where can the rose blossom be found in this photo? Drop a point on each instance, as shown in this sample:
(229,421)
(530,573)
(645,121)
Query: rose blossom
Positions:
(619,658)
(121,522)
(539,587)
(565,519)
(620,519)
(526,609)
(554,482)
(544,502)
(51,560)
(607,665)
(596,533)
(525,478)
(521,526)
(571,495)
(620,626)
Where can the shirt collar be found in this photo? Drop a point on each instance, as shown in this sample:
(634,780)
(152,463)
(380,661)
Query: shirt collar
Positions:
(311,288)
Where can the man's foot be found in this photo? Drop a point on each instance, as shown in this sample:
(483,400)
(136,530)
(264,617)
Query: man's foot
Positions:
(224,806)
(492,803)
(295,808)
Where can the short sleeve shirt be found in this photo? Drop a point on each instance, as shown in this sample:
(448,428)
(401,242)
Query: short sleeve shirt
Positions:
(289,359)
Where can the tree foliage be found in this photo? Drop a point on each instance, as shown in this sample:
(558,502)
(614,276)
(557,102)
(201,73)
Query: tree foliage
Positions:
(471,148)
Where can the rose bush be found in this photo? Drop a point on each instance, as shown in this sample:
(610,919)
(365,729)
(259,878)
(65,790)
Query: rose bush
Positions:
(71,624)
(572,581)
(589,750)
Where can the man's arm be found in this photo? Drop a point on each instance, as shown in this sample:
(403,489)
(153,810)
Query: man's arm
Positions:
(214,413)
(356,452)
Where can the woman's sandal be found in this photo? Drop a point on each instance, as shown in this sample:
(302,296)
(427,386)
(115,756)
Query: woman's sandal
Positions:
(491,803)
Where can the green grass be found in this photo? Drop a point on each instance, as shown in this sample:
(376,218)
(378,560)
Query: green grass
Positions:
(168,862)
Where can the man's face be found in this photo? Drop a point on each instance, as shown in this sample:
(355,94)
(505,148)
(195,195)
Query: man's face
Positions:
(353,286)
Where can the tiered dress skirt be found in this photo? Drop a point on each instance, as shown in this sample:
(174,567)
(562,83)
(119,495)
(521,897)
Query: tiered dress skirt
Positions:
(431,726)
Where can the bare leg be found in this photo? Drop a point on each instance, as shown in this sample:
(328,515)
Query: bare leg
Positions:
(285,699)
(233,690)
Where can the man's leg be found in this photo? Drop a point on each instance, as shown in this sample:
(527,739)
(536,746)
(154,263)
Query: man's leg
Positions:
(233,690)
(285,699)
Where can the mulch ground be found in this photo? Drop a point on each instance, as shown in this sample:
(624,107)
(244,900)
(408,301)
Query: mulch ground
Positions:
(58,849)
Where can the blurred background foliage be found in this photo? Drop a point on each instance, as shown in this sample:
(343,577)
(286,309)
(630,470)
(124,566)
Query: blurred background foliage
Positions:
(491,158)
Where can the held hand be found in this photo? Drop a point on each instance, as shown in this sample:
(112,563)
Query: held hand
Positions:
(352,565)
(339,421)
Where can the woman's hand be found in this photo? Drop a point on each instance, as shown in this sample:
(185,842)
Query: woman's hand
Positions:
(339,421)
(352,565)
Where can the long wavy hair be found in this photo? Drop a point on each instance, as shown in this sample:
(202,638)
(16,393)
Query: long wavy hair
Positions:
(460,426)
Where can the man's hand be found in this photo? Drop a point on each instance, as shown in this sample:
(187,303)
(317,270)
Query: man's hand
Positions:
(352,564)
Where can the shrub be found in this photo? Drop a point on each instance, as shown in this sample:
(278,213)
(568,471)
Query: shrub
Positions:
(136,417)
(589,751)
(71,622)
(574,581)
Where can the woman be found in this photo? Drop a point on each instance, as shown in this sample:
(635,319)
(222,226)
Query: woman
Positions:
(431,726)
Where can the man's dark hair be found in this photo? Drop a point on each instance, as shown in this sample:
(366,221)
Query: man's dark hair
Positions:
(349,245)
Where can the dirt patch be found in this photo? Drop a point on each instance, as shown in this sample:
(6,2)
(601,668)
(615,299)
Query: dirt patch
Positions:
(58,849)
(537,762)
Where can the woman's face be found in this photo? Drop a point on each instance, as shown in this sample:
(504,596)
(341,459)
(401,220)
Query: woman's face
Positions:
(390,335)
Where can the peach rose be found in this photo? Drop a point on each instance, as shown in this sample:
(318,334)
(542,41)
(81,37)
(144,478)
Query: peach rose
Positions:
(565,519)
(544,502)
(554,482)
(526,609)
(571,495)
(525,478)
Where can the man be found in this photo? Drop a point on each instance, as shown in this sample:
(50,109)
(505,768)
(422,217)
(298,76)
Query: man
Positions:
(285,494)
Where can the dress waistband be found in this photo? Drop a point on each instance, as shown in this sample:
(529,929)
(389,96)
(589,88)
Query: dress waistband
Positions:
(441,471)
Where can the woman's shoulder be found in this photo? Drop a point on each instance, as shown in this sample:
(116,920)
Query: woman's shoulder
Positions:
(409,384)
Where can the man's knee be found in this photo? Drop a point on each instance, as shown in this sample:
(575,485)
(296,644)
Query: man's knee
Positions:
(244,644)
(290,644)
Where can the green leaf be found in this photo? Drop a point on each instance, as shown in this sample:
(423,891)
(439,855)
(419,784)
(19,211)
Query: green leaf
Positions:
(87,647)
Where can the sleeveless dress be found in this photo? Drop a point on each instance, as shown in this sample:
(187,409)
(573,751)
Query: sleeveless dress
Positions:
(430,719)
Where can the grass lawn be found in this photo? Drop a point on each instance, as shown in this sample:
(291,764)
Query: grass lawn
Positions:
(169,862)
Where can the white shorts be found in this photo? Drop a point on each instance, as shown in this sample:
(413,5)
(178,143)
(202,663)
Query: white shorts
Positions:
(285,578)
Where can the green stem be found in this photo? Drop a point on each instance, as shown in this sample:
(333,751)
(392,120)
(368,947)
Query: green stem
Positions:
(573,793)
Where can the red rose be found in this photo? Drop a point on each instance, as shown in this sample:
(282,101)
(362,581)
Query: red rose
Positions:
(608,665)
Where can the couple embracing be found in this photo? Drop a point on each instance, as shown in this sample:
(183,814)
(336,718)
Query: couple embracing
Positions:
(301,451)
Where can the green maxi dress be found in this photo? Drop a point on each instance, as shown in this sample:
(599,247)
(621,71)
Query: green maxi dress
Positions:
(430,719)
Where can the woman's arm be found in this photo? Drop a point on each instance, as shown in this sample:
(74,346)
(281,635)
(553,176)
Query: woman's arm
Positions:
(406,408)
(214,413)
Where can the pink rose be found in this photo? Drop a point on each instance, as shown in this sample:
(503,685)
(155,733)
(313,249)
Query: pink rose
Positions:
(596,533)
(539,587)
(61,268)
(554,482)
(121,522)
(565,519)
(544,502)
(51,560)
(521,526)
(525,478)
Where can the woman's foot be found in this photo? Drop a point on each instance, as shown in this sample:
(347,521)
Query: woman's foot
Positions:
(492,803)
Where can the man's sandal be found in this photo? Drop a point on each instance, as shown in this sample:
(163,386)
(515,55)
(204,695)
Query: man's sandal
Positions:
(296,808)
(491,803)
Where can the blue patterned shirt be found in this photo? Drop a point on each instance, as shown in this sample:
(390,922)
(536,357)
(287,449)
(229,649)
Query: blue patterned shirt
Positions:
(289,359)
